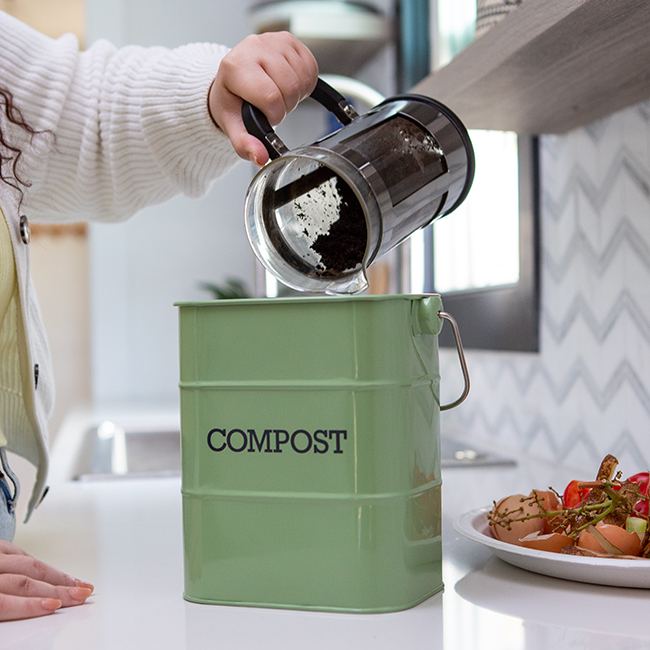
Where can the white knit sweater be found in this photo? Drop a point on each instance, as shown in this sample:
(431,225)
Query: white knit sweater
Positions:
(127,128)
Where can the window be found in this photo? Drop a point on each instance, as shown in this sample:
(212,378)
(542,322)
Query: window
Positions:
(478,248)
(483,257)
(486,265)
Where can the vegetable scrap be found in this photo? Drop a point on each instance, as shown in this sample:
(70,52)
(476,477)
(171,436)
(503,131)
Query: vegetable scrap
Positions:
(607,517)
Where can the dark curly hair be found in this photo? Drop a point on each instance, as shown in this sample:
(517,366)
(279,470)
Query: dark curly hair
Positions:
(10,154)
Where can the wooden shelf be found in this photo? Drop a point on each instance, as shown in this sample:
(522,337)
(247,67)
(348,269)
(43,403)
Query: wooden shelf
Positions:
(550,66)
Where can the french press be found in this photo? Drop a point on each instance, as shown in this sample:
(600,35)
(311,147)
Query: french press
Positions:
(319,215)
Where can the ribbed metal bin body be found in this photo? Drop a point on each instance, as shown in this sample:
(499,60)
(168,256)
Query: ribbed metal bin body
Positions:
(310,452)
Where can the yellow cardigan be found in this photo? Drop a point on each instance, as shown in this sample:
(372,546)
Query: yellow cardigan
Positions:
(9,378)
(7,268)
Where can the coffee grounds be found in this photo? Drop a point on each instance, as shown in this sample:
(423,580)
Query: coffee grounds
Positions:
(343,247)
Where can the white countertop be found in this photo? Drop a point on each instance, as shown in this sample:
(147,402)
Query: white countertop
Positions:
(125,537)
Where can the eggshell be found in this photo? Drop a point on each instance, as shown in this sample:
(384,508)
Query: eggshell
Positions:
(517,529)
(551,542)
(549,501)
(628,543)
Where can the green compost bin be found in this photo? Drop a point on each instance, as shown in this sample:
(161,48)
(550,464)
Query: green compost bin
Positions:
(310,452)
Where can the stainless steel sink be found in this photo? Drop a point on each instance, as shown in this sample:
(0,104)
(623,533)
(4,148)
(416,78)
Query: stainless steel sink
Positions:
(456,453)
(110,451)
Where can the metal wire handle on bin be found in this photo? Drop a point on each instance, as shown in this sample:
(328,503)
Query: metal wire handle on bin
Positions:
(461,358)
(257,125)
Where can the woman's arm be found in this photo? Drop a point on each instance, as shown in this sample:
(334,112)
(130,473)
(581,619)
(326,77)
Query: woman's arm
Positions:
(130,127)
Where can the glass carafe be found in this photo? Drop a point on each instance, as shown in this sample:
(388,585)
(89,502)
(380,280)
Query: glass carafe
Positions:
(317,216)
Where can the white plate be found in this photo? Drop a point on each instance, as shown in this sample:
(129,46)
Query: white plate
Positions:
(600,571)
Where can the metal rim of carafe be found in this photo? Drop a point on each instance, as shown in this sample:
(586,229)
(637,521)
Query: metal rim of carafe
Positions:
(462,133)
(272,260)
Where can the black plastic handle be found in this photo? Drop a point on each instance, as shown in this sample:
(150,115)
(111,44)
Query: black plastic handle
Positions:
(257,125)
(334,102)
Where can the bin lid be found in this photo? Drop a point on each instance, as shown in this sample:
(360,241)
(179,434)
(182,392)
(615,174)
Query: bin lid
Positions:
(305,299)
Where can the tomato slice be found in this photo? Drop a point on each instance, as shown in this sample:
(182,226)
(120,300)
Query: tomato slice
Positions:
(642,479)
(641,508)
(574,495)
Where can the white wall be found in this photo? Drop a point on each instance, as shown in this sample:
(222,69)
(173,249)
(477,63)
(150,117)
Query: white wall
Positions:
(586,393)
(139,268)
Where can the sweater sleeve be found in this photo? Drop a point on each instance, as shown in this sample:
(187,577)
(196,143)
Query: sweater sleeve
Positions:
(125,127)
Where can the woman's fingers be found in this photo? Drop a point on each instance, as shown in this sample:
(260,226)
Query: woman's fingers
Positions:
(17,607)
(231,123)
(19,585)
(33,568)
(10,549)
(253,84)
(285,76)
(307,60)
(271,71)
(29,587)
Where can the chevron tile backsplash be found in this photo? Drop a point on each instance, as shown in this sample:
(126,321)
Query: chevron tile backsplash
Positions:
(588,391)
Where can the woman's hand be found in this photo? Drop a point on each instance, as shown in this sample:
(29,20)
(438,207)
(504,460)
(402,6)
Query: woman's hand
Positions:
(30,588)
(274,72)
